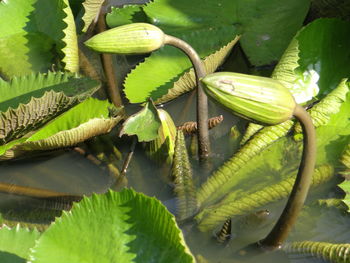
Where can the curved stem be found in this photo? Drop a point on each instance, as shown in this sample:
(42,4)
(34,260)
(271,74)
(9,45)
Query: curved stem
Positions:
(301,186)
(202,100)
(107,62)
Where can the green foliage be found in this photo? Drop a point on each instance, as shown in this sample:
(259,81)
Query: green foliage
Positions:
(92,8)
(346,188)
(267,27)
(127,226)
(27,103)
(17,241)
(328,251)
(217,214)
(27,40)
(183,180)
(315,41)
(145,123)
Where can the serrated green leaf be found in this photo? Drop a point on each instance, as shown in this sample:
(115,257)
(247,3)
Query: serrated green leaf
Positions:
(26,103)
(88,119)
(92,7)
(70,50)
(213,216)
(127,226)
(154,77)
(144,124)
(17,241)
(188,80)
(125,15)
(346,188)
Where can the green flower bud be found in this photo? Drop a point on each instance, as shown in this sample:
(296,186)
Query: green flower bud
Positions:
(162,148)
(137,38)
(258,99)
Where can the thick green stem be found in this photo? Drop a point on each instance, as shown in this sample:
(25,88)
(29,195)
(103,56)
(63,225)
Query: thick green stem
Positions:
(301,186)
(202,100)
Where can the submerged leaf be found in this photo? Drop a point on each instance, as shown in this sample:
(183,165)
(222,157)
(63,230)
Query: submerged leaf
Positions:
(17,241)
(92,8)
(183,181)
(27,103)
(328,251)
(145,123)
(127,226)
(217,214)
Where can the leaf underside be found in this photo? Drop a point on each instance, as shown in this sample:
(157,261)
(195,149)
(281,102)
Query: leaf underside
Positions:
(27,103)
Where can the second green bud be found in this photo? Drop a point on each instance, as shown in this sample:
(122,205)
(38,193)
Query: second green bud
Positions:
(258,99)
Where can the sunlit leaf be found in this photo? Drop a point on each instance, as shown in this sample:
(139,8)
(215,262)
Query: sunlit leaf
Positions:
(70,50)
(91,7)
(127,226)
(145,123)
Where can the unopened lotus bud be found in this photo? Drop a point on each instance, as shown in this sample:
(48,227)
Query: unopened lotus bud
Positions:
(259,99)
(137,38)
(162,148)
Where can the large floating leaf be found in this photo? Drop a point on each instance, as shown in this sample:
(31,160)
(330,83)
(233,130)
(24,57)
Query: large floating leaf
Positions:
(213,216)
(266,30)
(17,241)
(117,227)
(145,123)
(27,40)
(188,80)
(26,103)
(153,78)
(315,40)
(125,15)
(330,252)
(88,119)
(92,8)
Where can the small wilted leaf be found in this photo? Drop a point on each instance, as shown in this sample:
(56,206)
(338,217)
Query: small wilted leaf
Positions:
(162,148)
(144,124)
